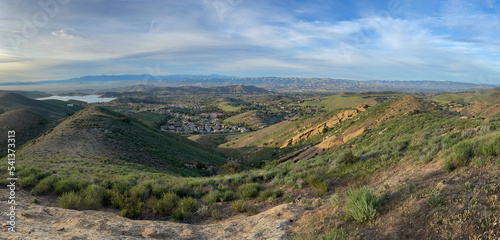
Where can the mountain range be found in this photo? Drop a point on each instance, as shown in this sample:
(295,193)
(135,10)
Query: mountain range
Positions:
(281,84)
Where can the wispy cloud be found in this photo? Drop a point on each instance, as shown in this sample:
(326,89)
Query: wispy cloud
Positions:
(64,33)
(457,40)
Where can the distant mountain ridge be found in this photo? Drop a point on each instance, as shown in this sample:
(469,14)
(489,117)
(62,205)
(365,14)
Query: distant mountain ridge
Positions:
(288,84)
(185,90)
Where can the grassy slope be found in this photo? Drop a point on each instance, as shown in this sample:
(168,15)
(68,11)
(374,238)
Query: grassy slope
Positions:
(13,101)
(255,147)
(227,107)
(97,140)
(403,161)
(255,119)
(337,101)
(26,124)
(484,103)
(401,158)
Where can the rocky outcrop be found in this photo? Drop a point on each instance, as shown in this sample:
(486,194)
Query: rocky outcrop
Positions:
(338,118)
(323,146)
(353,135)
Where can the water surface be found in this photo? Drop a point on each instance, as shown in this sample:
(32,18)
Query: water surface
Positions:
(87,98)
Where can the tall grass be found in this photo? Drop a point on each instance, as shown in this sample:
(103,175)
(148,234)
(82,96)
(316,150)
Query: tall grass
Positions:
(361,204)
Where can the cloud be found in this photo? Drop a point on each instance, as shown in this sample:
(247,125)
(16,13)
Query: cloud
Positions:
(307,38)
(65,33)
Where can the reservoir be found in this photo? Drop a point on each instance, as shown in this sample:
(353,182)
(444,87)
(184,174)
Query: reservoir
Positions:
(87,98)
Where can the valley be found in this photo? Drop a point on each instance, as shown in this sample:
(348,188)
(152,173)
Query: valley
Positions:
(241,162)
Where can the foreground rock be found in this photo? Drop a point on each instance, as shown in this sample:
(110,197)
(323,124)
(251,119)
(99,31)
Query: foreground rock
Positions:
(41,222)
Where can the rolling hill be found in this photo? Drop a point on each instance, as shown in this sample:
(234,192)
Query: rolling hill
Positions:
(253,119)
(28,125)
(13,101)
(396,167)
(97,139)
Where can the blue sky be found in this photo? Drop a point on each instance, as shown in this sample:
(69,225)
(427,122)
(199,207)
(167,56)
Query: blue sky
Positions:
(453,40)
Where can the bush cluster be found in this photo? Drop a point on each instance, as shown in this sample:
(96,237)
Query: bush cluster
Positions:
(248,191)
(361,204)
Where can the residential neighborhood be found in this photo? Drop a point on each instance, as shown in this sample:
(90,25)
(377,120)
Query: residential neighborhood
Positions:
(203,123)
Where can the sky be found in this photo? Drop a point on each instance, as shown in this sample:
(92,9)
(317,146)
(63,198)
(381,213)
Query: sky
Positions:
(451,40)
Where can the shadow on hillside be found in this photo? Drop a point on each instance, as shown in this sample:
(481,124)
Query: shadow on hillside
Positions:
(438,205)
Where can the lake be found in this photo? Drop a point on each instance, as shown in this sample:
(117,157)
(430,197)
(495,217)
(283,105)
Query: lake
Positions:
(87,98)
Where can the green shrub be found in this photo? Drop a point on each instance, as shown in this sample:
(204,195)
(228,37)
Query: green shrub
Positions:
(317,182)
(278,193)
(288,198)
(427,159)
(121,186)
(70,200)
(451,140)
(361,204)
(26,171)
(270,195)
(132,206)
(228,195)
(480,161)
(165,205)
(113,198)
(141,192)
(92,197)
(461,155)
(185,209)
(181,215)
(266,194)
(463,152)
(28,182)
(249,190)
(188,204)
(69,185)
(348,158)
(213,212)
(134,210)
(212,197)
(450,164)
(435,201)
(209,211)
(335,200)
(230,168)
(269,175)
(487,149)
(242,206)
(182,189)
(45,186)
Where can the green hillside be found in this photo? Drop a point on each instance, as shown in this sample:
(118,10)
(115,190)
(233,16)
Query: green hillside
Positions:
(374,172)
(14,101)
(26,124)
(100,141)
(253,119)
